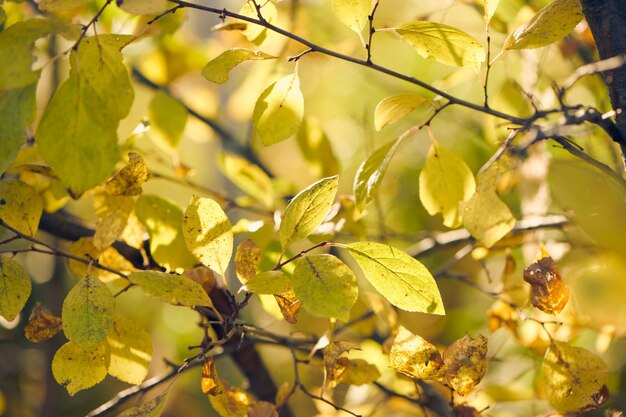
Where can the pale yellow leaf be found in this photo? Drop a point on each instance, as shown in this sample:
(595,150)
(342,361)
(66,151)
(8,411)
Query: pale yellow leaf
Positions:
(218,68)
(352,13)
(143,7)
(257,33)
(112,212)
(131,350)
(391,109)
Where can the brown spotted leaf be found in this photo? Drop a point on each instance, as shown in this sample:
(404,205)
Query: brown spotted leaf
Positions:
(247,259)
(42,325)
(130,178)
(210,383)
(501,314)
(289,306)
(548,293)
(466,363)
(414,356)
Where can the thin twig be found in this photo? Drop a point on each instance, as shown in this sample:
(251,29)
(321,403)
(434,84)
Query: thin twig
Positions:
(593,68)
(371,31)
(91,23)
(327,401)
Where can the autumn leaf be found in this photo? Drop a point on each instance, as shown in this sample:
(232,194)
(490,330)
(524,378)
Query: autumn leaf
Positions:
(130,178)
(78,369)
(391,109)
(210,382)
(130,349)
(548,292)
(171,288)
(15,288)
(20,206)
(414,356)
(269,282)
(247,260)
(465,363)
(41,325)
(218,68)
(152,408)
(289,306)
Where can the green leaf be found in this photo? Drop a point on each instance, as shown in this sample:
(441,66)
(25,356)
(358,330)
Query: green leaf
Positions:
(549,25)
(143,7)
(17,108)
(249,178)
(163,221)
(444,43)
(352,13)
(58,5)
(391,109)
(402,280)
(131,351)
(78,369)
(208,233)
(20,206)
(218,68)
(307,210)
(153,408)
(15,287)
(574,378)
(88,311)
(325,286)
(269,282)
(279,110)
(168,118)
(317,150)
(487,229)
(370,174)
(171,288)
(444,182)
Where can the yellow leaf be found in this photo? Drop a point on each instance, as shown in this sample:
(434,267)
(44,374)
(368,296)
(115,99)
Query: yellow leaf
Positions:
(171,288)
(352,13)
(42,325)
(88,311)
(575,378)
(414,356)
(233,402)
(444,43)
(444,182)
(20,206)
(249,178)
(269,282)
(112,212)
(78,369)
(210,383)
(490,9)
(360,372)
(15,287)
(548,293)
(334,363)
(143,7)
(208,233)
(256,33)
(131,350)
(549,25)
(501,314)
(391,109)
(263,409)
(152,408)
(130,178)
(370,174)
(279,110)
(218,68)
(465,363)
(168,117)
(247,259)
(317,149)
(289,306)
(58,5)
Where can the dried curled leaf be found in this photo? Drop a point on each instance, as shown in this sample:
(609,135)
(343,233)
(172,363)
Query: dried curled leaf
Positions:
(466,363)
(501,314)
(548,293)
(334,364)
(289,306)
(130,178)
(42,325)
(210,383)
(414,356)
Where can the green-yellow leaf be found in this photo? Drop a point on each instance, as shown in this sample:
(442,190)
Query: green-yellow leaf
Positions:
(402,280)
(370,174)
(58,5)
(168,119)
(131,350)
(444,43)
(391,109)
(153,408)
(549,25)
(78,369)
(307,210)
(445,181)
(317,150)
(17,108)
(218,68)
(574,378)
(256,33)
(88,311)
(325,286)
(143,7)
(171,288)
(15,287)
(490,7)
(487,229)
(20,206)
(163,221)
(249,178)
(269,282)
(279,110)
(414,356)
(130,178)
(352,13)
(359,372)
(208,233)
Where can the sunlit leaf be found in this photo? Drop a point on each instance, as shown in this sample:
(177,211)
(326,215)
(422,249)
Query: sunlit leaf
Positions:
(391,109)
(41,325)
(83,248)
(269,282)
(501,314)
(58,5)
(574,378)
(401,279)
(490,9)
(15,287)
(171,288)
(210,384)
(163,221)
(256,33)
(17,108)
(152,408)
(352,13)
(548,292)
(371,172)
(112,212)
(249,178)
(316,149)
(78,369)
(131,350)
(208,233)
(279,110)
(444,43)
(20,206)
(549,25)
(289,306)
(414,356)
(168,117)
(143,7)
(359,372)
(88,311)
(130,178)
(218,68)
(233,402)
(465,363)
(307,210)
(247,260)
(325,286)
(335,365)
(444,182)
